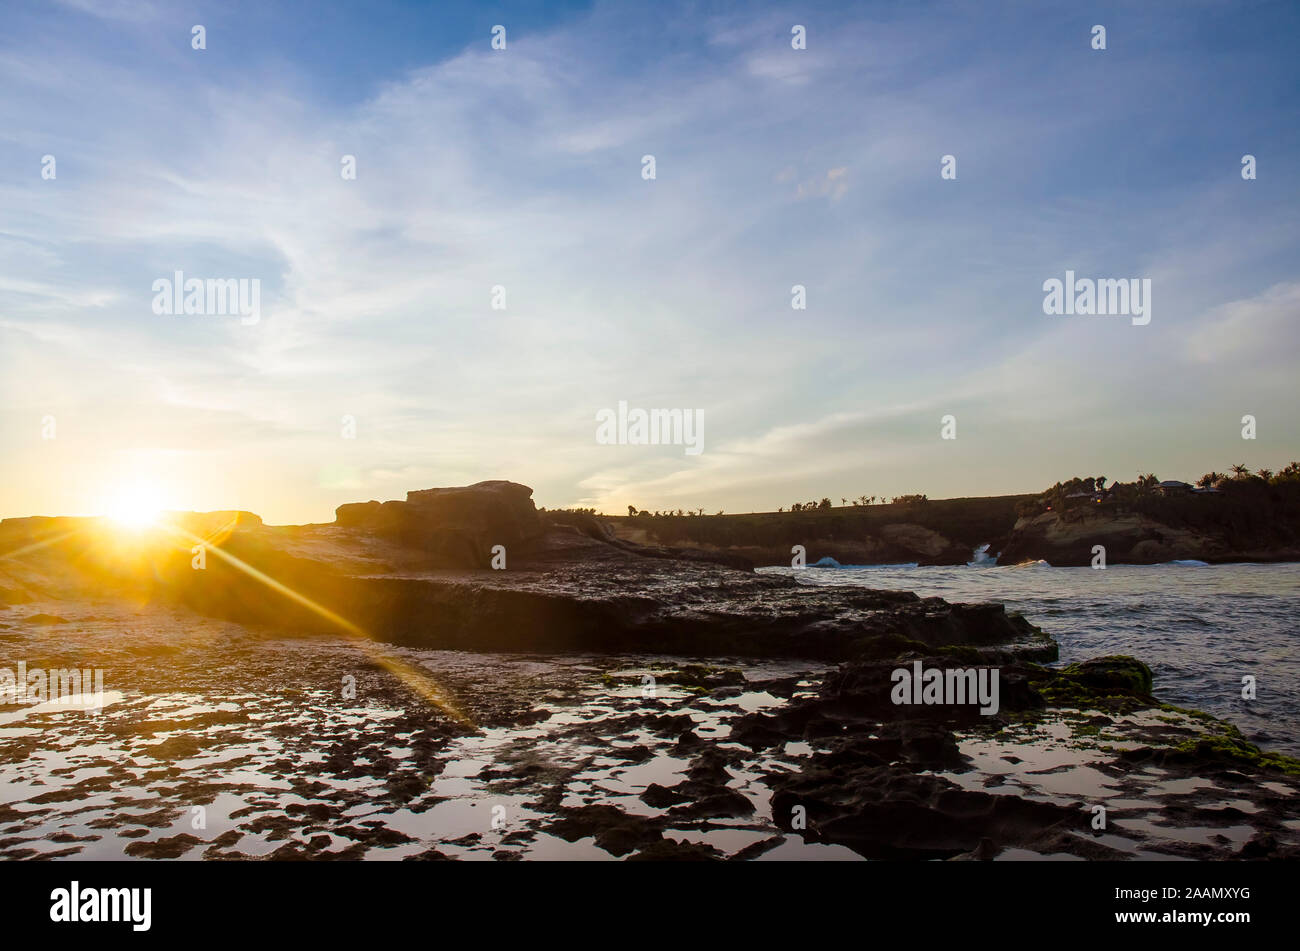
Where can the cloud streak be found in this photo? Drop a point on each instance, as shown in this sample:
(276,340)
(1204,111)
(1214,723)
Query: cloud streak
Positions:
(522,169)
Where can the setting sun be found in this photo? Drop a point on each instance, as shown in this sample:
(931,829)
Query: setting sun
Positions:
(134,506)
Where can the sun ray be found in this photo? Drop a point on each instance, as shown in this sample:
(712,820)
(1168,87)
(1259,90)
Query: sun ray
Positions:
(34,546)
(415,678)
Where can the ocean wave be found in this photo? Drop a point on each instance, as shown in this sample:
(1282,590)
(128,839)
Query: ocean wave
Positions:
(829,562)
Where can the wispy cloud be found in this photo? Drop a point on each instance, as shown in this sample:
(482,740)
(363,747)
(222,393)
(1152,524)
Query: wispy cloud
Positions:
(522,169)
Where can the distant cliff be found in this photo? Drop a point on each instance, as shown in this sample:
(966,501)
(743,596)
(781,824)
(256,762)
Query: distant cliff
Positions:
(1245,520)
(933,532)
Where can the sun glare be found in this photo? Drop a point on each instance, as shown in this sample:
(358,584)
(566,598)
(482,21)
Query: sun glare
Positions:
(134,506)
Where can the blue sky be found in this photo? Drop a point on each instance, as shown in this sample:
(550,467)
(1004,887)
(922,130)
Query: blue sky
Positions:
(522,168)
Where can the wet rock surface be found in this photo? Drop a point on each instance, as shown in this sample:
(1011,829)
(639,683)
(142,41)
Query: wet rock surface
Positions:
(645,757)
(919,787)
(591,700)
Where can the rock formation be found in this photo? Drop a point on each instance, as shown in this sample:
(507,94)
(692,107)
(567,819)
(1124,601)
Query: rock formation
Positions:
(456,527)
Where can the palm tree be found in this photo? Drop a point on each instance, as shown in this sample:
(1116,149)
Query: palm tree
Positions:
(1239,471)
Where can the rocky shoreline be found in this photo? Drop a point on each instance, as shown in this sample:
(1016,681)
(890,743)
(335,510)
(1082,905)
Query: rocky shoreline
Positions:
(614,699)
(950,532)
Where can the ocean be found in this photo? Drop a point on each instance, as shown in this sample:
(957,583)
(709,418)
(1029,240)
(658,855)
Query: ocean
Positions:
(1201,628)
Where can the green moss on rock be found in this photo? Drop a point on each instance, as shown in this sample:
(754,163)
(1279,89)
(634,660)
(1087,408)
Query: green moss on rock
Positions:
(1116,683)
(964,653)
(1238,750)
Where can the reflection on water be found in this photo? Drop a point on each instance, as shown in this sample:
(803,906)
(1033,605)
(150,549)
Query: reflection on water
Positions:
(180,776)
(219,742)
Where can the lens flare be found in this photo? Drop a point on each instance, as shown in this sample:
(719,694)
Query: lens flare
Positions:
(134,507)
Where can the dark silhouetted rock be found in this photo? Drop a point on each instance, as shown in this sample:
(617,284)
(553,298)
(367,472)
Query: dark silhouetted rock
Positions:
(457,527)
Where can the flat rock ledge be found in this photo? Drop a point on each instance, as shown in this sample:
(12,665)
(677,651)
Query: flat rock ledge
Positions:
(884,780)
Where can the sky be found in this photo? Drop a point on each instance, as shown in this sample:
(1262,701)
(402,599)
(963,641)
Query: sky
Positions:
(378,362)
